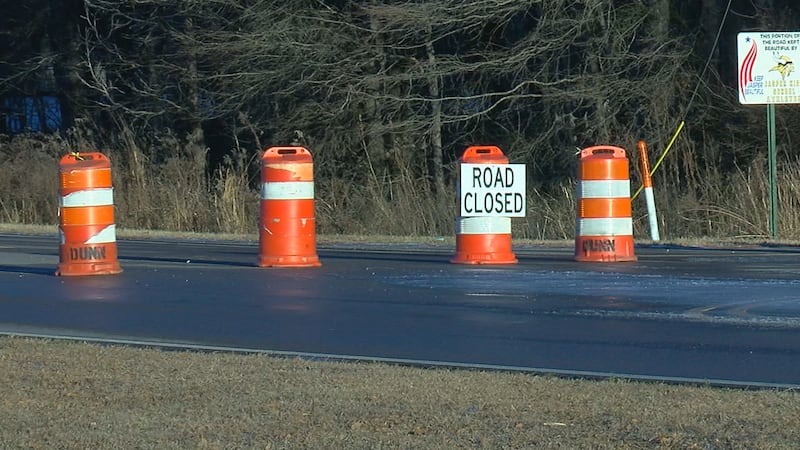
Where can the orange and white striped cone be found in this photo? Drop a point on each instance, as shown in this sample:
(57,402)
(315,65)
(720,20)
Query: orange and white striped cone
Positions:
(483,240)
(86,216)
(287,228)
(604,226)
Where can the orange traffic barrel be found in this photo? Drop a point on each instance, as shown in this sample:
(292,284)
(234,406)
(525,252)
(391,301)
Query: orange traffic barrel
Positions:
(483,240)
(287,226)
(86,216)
(604,227)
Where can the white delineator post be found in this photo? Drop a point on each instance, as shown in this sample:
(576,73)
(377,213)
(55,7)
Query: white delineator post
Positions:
(647,183)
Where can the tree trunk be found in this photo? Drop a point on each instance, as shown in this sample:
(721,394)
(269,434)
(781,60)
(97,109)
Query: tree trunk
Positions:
(436,159)
(373,132)
(659,20)
(196,139)
(711,17)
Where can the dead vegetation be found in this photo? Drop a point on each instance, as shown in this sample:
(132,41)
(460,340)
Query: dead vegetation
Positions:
(182,194)
(74,395)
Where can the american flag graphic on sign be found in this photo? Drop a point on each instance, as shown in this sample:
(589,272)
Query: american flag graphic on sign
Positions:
(746,71)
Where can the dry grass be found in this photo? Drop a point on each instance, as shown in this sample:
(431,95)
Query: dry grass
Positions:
(73,395)
(29,179)
(180,193)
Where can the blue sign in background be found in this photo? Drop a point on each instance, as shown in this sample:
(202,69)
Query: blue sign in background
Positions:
(32,114)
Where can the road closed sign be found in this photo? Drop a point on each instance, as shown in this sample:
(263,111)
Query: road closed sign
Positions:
(492,190)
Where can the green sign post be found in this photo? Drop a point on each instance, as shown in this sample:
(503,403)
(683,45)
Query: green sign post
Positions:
(773,172)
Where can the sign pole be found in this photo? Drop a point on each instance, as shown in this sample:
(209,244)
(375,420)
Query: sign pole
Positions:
(773,172)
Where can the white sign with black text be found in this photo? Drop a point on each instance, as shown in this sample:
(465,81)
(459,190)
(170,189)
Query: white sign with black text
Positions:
(492,190)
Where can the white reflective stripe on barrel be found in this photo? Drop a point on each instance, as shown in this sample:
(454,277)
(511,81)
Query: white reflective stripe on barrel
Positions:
(483,225)
(88,197)
(603,189)
(106,236)
(609,226)
(287,190)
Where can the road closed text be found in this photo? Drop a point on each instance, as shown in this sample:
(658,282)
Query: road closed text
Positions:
(492,190)
(500,203)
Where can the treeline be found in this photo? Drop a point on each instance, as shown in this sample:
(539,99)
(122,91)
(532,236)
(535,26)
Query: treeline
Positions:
(386,94)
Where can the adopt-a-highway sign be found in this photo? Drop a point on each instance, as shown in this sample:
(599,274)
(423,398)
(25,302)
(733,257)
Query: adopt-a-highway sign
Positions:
(767,73)
(492,190)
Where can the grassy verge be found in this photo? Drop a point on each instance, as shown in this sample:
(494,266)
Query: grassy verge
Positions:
(74,395)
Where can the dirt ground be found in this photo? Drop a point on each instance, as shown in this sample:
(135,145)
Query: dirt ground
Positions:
(58,394)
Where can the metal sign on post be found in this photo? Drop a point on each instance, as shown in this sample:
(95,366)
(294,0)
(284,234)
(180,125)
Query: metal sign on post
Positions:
(492,190)
(766,77)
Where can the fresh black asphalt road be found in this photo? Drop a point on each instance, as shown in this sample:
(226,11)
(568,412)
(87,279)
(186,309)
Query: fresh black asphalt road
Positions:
(717,315)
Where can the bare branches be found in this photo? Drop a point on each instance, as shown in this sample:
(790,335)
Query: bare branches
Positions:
(444,73)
